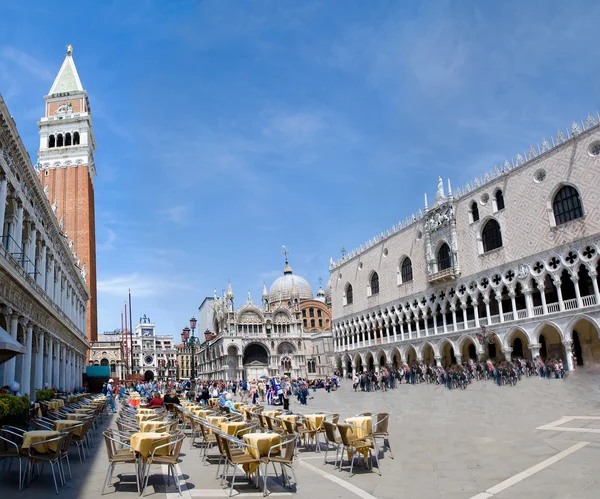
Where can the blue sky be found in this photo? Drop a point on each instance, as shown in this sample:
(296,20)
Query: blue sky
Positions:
(227,129)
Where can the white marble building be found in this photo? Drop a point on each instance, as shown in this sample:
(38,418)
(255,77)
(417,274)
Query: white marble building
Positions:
(268,339)
(43,294)
(512,256)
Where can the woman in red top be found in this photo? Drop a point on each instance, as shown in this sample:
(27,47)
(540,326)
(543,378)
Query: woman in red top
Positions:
(155,401)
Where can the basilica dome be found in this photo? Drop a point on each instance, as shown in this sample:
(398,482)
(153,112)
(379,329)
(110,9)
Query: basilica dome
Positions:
(281,289)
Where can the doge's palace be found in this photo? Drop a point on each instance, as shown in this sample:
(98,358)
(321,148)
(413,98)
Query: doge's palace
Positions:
(505,266)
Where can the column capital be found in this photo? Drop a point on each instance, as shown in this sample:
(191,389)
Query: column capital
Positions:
(6,310)
(568,345)
(535,345)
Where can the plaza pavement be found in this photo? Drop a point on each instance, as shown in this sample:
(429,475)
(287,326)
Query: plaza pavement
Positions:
(479,443)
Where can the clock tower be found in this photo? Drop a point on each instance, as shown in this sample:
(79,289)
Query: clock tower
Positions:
(67,172)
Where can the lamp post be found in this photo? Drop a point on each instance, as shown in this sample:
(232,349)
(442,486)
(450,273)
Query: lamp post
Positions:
(192,340)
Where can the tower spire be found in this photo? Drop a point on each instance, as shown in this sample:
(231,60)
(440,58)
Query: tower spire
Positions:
(67,79)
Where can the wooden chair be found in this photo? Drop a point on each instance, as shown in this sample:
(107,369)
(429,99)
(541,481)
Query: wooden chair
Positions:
(10,448)
(380,430)
(238,459)
(284,459)
(119,453)
(354,445)
(170,460)
(332,439)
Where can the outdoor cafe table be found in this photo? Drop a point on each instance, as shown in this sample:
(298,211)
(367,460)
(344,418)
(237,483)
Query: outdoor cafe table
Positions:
(263,442)
(145,442)
(202,413)
(231,428)
(33,437)
(83,411)
(246,410)
(145,417)
(364,426)
(238,405)
(293,418)
(271,414)
(143,410)
(78,417)
(152,426)
(55,405)
(215,420)
(66,424)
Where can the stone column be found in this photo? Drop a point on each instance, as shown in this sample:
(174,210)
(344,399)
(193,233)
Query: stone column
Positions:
(402,334)
(10,365)
(488,314)
(56,365)
(507,354)
(458,357)
(438,361)
(561,303)
(444,323)
(500,310)
(57,287)
(39,362)
(62,366)
(32,251)
(543,297)
(528,302)
(463,307)
(476,312)
(593,276)
(395,332)
(49,365)
(417,328)
(43,270)
(575,279)
(18,233)
(353,369)
(3,194)
(535,350)
(26,375)
(453,310)
(425,322)
(568,355)
(435,324)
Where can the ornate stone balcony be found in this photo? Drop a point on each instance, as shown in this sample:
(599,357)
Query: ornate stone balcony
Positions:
(442,276)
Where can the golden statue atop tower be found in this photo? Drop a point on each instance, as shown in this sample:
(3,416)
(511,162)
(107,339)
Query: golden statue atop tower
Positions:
(69,49)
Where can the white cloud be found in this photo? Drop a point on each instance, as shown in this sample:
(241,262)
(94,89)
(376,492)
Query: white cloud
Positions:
(108,244)
(142,285)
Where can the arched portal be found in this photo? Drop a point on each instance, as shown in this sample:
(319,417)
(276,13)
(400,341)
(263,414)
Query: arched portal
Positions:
(232,363)
(358,363)
(551,341)
(428,354)
(468,349)
(104,362)
(411,355)
(382,359)
(586,344)
(396,360)
(370,362)
(520,345)
(255,361)
(448,357)
(148,376)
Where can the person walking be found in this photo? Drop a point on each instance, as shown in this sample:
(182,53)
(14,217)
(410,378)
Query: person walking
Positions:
(110,395)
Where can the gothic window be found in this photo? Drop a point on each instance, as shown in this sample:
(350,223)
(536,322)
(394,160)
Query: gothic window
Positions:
(443,257)
(59,140)
(104,362)
(474,211)
(68,139)
(406,271)
(349,296)
(76,139)
(567,205)
(51,141)
(312,323)
(311,312)
(499,200)
(374,284)
(491,236)
(319,313)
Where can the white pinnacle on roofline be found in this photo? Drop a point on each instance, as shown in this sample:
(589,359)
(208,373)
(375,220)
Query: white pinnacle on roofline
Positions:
(67,79)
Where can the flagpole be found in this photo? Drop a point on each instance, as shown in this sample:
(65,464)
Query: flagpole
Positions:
(131,330)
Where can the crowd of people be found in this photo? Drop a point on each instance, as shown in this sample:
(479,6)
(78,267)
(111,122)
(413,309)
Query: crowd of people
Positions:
(274,391)
(458,376)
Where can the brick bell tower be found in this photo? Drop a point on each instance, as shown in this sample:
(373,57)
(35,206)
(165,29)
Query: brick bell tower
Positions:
(67,172)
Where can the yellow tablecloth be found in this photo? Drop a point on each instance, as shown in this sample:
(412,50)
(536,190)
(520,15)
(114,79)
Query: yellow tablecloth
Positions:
(213,402)
(83,411)
(238,405)
(54,405)
(315,420)
(77,417)
(145,417)
(142,410)
(246,410)
(33,437)
(153,426)
(233,427)
(67,424)
(215,420)
(271,414)
(263,441)
(365,424)
(202,413)
(289,417)
(146,442)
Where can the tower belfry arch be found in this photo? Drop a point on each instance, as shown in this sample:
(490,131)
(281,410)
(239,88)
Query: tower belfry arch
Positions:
(67,171)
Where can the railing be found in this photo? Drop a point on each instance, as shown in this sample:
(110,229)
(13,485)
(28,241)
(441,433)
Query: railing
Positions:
(508,316)
(570,304)
(444,275)
(539,310)
(495,319)
(588,301)
(553,307)
(471,324)
(483,321)
(522,314)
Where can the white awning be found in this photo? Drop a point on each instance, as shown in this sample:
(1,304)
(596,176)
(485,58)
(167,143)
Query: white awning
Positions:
(9,347)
